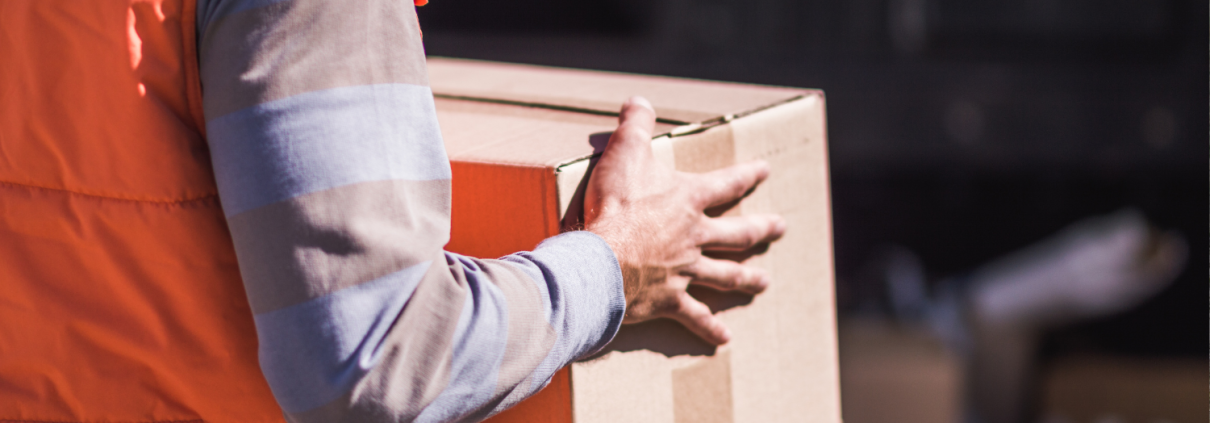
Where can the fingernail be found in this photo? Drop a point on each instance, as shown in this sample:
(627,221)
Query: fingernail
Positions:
(759,279)
(764,167)
(764,282)
(640,101)
(725,336)
(779,225)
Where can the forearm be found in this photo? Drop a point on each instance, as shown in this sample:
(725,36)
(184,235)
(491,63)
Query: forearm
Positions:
(343,305)
(469,337)
(526,316)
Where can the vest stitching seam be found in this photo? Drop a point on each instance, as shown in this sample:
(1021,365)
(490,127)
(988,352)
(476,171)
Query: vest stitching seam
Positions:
(205,197)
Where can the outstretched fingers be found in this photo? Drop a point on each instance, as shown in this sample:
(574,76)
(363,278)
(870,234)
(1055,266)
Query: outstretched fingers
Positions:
(727,275)
(738,233)
(729,184)
(697,317)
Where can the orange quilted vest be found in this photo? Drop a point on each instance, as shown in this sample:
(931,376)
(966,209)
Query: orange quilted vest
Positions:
(120,299)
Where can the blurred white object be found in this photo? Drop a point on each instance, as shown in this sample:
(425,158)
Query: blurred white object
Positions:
(1095,267)
(993,318)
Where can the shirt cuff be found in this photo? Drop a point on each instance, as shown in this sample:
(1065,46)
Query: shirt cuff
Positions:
(585,280)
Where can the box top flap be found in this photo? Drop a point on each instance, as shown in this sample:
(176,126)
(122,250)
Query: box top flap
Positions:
(541,116)
(676,100)
(484,132)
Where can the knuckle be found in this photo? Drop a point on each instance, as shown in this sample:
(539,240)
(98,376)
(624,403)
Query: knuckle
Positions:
(632,131)
(737,185)
(752,276)
(703,231)
(722,278)
(742,278)
(731,282)
(666,308)
(736,272)
(751,236)
(758,280)
(696,190)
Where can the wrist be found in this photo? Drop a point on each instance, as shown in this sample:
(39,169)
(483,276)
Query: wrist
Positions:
(616,237)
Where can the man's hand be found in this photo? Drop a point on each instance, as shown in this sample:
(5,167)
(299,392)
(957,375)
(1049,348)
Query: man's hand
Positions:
(653,217)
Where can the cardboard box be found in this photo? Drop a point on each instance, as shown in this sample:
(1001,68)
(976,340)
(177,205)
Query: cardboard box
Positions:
(1102,388)
(520,140)
(896,372)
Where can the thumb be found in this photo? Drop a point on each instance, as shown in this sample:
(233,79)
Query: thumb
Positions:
(637,109)
(636,122)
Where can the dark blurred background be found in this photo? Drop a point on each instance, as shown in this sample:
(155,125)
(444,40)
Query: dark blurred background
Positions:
(959,129)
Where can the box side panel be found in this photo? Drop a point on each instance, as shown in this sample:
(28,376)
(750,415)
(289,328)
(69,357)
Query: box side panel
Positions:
(790,371)
(551,405)
(498,210)
(571,184)
(632,387)
(781,364)
(701,392)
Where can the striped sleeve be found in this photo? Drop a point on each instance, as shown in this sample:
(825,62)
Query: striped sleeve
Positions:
(336,189)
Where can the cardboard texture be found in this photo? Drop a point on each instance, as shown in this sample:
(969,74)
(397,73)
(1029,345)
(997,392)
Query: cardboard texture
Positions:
(521,139)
